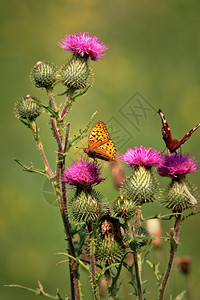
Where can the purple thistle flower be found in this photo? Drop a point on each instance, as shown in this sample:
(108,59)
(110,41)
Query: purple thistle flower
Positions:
(82,173)
(83,44)
(142,157)
(177,164)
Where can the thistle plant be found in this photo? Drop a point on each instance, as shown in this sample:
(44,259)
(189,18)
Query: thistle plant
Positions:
(101,235)
(178,197)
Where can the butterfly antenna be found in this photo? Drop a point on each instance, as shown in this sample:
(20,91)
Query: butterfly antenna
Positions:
(79,147)
(163,150)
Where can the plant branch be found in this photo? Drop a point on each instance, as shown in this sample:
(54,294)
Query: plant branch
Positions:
(137,221)
(38,291)
(73,262)
(31,169)
(66,138)
(56,134)
(40,147)
(137,275)
(92,264)
(66,107)
(52,98)
(135,256)
(174,237)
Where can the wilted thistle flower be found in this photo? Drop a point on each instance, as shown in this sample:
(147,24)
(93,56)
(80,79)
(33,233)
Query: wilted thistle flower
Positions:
(27,108)
(85,204)
(180,194)
(141,185)
(109,240)
(83,44)
(155,231)
(43,75)
(183,263)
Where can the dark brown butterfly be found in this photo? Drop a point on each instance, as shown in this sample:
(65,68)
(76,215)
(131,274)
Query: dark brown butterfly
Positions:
(100,144)
(171,143)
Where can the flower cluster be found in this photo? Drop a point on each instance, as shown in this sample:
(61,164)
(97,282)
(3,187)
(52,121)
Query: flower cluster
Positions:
(85,45)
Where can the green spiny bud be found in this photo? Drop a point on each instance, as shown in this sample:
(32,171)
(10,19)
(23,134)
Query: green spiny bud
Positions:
(43,74)
(141,186)
(108,250)
(76,74)
(27,108)
(179,195)
(123,207)
(86,207)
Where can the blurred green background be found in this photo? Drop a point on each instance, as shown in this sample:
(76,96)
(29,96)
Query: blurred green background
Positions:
(154,51)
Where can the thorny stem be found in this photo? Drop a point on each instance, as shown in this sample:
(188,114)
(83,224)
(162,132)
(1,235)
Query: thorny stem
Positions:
(56,134)
(66,138)
(52,98)
(135,257)
(92,265)
(62,197)
(174,237)
(137,220)
(109,281)
(74,266)
(41,149)
(53,104)
(137,274)
(67,104)
(75,287)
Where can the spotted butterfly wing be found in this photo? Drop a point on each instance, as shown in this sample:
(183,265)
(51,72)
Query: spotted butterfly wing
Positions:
(100,144)
(173,144)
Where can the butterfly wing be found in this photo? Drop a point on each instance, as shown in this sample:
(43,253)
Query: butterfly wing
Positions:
(188,135)
(107,150)
(99,143)
(165,129)
(98,135)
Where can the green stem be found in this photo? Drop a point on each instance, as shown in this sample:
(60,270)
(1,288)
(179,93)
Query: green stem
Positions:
(135,257)
(52,98)
(137,275)
(62,198)
(67,104)
(92,265)
(41,149)
(174,237)
(137,220)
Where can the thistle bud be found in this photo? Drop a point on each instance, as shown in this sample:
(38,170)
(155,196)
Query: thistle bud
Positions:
(123,207)
(43,74)
(179,195)
(76,74)
(140,187)
(27,108)
(85,207)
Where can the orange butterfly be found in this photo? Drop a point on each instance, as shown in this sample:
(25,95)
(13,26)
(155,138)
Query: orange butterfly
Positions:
(99,143)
